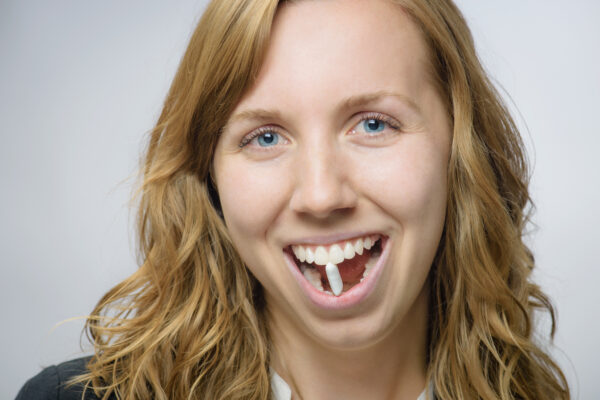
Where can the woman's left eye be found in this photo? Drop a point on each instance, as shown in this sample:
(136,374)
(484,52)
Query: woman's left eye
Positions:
(375,125)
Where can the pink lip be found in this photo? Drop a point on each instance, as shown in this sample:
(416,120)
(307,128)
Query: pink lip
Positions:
(348,299)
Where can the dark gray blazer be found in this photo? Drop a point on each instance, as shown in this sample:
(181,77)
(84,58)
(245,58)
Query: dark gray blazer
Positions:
(50,384)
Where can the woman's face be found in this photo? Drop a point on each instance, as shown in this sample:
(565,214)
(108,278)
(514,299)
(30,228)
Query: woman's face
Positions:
(342,140)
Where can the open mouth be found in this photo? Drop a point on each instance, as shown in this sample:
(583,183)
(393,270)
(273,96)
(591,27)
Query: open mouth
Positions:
(337,268)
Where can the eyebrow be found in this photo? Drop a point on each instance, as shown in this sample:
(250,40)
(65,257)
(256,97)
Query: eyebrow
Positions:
(257,114)
(261,114)
(368,98)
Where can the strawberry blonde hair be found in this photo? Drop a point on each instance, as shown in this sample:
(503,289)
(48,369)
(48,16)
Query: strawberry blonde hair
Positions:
(189,323)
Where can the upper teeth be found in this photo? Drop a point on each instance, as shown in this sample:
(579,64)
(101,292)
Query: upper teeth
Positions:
(336,253)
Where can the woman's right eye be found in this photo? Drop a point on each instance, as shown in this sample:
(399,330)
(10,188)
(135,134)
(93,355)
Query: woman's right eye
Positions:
(263,137)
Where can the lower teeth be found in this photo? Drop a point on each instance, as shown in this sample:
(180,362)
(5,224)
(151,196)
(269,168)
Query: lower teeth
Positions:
(313,276)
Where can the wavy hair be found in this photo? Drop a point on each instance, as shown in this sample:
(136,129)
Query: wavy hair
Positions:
(188,324)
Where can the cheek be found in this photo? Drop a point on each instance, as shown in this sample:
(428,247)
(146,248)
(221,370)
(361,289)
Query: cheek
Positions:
(251,197)
(409,181)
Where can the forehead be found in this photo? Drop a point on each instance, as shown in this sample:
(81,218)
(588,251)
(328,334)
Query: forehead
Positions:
(323,50)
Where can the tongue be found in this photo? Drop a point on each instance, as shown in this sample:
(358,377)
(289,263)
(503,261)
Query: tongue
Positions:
(351,271)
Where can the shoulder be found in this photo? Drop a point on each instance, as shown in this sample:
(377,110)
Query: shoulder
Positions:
(50,384)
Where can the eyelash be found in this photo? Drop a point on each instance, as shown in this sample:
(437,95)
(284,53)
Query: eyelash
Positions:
(390,122)
(256,133)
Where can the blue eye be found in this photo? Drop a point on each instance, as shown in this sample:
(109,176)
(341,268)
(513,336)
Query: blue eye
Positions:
(263,138)
(376,126)
(267,139)
(373,125)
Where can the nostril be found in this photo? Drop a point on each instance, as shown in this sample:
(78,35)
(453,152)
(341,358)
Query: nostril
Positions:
(322,202)
(322,183)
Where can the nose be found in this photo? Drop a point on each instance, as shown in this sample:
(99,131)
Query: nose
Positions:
(322,184)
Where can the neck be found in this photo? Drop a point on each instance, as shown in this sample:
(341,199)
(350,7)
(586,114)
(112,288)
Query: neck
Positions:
(393,367)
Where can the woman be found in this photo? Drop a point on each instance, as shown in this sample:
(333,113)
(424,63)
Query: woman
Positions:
(332,207)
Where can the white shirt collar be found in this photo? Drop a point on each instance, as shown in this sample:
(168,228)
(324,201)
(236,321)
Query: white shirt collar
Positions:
(282,391)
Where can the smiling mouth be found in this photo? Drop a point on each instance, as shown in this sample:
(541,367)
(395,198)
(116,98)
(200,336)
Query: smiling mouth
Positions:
(335,269)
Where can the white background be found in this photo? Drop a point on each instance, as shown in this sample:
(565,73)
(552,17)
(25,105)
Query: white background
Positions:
(82,82)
